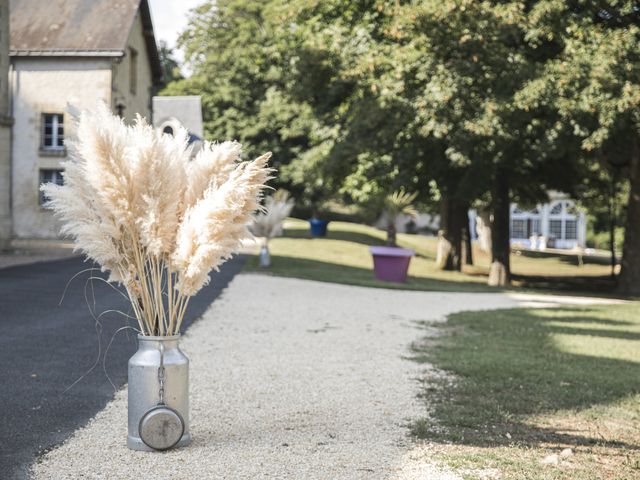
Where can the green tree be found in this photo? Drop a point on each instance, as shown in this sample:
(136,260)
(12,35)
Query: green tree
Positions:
(457,100)
(240,67)
(170,68)
(593,83)
(472,60)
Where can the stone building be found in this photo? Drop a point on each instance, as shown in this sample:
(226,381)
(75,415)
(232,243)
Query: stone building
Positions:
(68,55)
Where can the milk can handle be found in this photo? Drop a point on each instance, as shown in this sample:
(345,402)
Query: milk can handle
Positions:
(161,374)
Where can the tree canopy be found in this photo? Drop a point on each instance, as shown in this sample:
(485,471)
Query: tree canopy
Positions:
(458,100)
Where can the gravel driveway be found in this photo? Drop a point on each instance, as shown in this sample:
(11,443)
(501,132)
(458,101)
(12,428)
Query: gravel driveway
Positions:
(290,379)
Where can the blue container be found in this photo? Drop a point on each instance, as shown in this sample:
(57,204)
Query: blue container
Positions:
(318,227)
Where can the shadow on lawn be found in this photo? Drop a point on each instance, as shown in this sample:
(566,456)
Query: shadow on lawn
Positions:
(307,269)
(507,369)
(347,236)
(569,258)
(596,285)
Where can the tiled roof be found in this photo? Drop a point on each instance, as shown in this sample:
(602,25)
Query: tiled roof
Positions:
(78,28)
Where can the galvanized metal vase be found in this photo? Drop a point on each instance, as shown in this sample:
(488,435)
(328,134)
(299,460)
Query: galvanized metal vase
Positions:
(144,385)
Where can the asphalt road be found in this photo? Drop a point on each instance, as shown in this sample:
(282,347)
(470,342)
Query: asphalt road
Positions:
(46,347)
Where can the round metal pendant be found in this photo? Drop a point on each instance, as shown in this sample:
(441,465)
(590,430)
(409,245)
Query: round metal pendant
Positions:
(161,427)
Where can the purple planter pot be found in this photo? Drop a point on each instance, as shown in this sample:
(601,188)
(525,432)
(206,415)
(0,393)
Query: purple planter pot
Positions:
(391,263)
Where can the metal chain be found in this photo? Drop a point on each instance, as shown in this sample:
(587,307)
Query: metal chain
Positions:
(161,375)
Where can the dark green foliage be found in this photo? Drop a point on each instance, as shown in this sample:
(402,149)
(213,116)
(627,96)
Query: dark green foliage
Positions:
(459,100)
(170,67)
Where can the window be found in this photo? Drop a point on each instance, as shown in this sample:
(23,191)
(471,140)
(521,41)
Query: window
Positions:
(571,230)
(49,176)
(133,70)
(52,131)
(518,228)
(535,227)
(555,228)
(556,209)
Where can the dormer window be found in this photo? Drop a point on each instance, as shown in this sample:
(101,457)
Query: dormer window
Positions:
(556,209)
(52,132)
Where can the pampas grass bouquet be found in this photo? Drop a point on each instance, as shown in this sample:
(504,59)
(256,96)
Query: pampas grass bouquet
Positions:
(152,215)
(267,224)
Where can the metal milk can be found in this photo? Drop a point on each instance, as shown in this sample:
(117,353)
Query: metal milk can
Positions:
(158,395)
(264,259)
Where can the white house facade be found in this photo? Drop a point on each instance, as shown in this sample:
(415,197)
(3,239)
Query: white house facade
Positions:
(66,55)
(556,224)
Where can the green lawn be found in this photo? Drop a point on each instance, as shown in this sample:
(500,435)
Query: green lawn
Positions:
(343,257)
(521,385)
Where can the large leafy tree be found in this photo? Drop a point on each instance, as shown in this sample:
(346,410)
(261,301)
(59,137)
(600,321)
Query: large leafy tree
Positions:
(593,84)
(361,151)
(431,104)
(470,62)
(170,68)
(455,99)
(241,68)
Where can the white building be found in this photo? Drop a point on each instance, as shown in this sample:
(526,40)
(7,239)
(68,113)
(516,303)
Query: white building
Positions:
(555,224)
(68,53)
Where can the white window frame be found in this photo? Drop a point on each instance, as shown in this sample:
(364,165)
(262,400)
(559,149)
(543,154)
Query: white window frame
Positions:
(522,225)
(575,229)
(560,223)
(56,177)
(536,226)
(56,122)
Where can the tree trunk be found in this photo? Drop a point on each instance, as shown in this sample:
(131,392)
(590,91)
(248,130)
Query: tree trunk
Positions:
(612,224)
(629,280)
(483,227)
(466,238)
(391,234)
(450,240)
(500,272)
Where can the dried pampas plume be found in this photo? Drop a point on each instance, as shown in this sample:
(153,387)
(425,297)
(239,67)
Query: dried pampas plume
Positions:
(267,223)
(158,221)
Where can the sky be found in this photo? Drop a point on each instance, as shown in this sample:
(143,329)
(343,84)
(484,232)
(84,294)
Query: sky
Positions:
(170,18)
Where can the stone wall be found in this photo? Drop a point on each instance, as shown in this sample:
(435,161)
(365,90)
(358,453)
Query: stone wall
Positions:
(140,101)
(5,128)
(46,85)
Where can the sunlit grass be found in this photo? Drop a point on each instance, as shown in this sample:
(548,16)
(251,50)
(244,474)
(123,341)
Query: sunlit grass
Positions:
(525,384)
(343,257)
